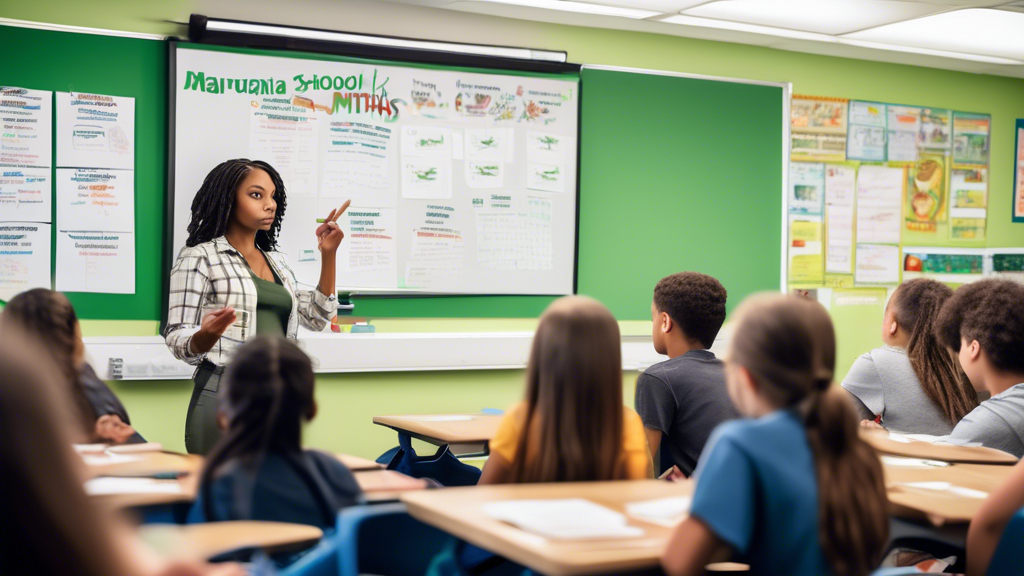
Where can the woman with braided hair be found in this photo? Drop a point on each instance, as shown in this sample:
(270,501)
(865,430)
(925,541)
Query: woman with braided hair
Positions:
(230,283)
(912,384)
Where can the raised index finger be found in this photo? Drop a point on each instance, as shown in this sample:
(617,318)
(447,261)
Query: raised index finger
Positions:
(341,210)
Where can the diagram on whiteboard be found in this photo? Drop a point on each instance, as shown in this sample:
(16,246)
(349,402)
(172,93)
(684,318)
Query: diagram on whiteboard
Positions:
(461,181)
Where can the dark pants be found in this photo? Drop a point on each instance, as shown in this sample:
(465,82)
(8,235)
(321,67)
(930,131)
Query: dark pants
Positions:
(201,430)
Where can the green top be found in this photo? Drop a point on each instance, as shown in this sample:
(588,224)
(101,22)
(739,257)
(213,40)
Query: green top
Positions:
(273,306)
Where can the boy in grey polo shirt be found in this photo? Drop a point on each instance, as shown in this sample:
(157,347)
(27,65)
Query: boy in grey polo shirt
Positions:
(683,399)
(984,323)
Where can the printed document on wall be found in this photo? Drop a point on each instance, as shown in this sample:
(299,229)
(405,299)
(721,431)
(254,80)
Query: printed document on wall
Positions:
(95,262)
(25,194)
(24,257)
(879,204)
(95,199)
(27,120)
(95,131)
(840,190)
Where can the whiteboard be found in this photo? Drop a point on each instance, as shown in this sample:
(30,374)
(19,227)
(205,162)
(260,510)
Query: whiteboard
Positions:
(461,181)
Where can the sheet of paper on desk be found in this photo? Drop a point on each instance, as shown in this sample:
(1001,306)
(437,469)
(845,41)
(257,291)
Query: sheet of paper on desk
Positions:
(663,511)
(106,486)
(948,488)
(568,519)
(899,462)
(907,438)
(106,459)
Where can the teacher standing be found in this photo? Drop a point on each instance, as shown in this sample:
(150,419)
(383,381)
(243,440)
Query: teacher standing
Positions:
(230,284)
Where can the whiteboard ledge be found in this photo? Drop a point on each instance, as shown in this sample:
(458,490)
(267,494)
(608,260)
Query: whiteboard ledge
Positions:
(147,357)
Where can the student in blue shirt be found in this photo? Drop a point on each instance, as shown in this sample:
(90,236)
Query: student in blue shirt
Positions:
(791,489)
(258,469)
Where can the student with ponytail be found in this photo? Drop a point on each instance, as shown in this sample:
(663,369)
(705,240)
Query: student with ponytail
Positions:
(791,489)
(913,383)
(258,469)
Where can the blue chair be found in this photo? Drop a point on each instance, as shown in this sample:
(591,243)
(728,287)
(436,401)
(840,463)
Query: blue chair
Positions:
(1009,555)
(380,539)
(442,466)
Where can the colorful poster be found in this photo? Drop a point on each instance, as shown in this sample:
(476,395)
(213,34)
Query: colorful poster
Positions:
(95,131)
(811,147)
(866,143)
(806,188)
(968,202)
(840,192)
(879,204)
(904,124)
(25,194)
(877,264)
(1018,175)
(1007,263)
(936,129)
(971,137)
(868,113)
(27,120)
(953,265)
(806,265)
(926,194)
(818,114)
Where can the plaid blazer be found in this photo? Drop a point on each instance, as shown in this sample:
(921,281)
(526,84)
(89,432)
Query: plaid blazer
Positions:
(214,275)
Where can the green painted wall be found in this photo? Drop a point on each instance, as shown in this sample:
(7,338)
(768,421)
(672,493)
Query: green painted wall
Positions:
(347,402)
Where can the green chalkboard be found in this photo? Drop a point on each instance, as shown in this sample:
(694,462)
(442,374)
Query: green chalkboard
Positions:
(678,174)
(65,61)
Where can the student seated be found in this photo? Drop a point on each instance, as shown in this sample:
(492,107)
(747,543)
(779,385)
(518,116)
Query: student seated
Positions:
(49,316)
(912,384)
(683,399)
(48,525)
(791,489)
(984,324)
(258,469)
(572,426)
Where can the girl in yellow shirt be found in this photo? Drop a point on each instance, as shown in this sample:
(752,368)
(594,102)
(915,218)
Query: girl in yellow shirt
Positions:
(572,426)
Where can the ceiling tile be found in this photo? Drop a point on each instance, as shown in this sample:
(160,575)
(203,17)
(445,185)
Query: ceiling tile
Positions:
(974,31)
(822,16)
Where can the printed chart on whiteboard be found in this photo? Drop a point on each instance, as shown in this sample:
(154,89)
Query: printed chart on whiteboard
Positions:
(460,181)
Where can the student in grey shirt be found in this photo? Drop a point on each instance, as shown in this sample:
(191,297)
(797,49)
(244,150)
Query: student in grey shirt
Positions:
(913,383)
(683,399)
(984,323)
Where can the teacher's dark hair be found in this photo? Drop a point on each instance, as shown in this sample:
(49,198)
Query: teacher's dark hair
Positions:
(212,206)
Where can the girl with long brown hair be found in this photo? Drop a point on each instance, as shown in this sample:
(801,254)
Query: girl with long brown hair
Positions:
(572,426)
(790,489)
(49,316)
(913,383)
(48,525)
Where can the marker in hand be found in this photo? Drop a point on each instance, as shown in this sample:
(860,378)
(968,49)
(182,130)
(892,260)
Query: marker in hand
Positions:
(328,234)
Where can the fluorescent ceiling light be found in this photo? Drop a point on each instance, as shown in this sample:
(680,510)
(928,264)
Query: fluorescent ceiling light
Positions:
(579,7)
(215,25)
(997,33)
(663,6)
(821,16)
(751,28)
(929,52)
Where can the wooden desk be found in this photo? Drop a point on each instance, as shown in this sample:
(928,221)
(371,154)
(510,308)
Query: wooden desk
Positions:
(879,440)
(201,541)
(941,508)
(148,463)
(357,464)
(463,433)
(458,512)
(387,485)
